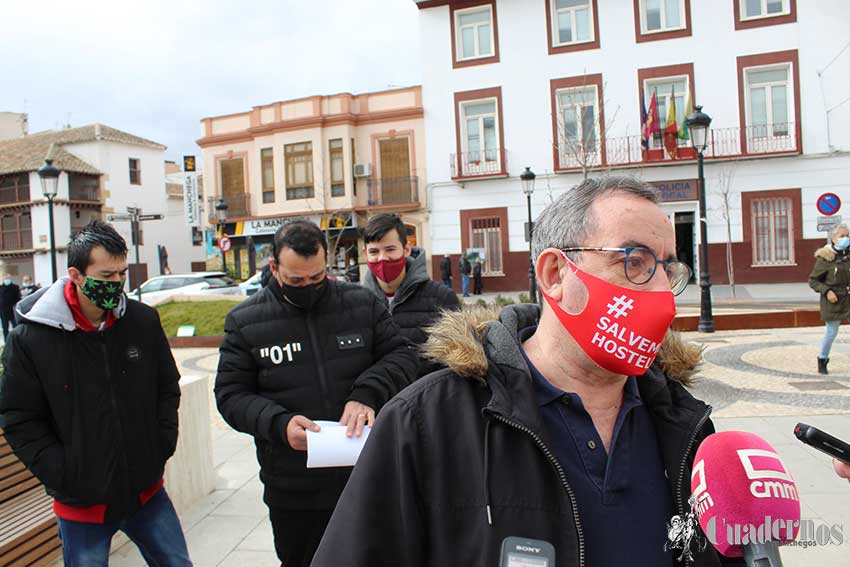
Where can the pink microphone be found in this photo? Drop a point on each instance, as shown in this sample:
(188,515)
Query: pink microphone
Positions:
(745,498)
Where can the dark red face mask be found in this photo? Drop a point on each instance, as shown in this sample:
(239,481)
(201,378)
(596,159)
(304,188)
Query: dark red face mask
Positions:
(388,270)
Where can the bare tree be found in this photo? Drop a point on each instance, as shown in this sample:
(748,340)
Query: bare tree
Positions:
(725,175)
(581,132)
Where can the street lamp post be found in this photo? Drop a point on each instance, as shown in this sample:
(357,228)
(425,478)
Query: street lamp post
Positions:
(527,178)
(698,124)
(221,213)
(49,175)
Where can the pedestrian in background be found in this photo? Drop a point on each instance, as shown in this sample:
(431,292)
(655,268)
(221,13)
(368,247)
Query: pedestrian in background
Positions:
(477,283)
(831,279)
(353,271)
(446,270)
(465,273)
(27,287)
(10,294)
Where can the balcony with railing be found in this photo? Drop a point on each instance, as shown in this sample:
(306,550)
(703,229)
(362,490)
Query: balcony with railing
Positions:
(238,205)
(723,143)
(479,164)
(85,188)
(14,189)
(395,191)
(14,240)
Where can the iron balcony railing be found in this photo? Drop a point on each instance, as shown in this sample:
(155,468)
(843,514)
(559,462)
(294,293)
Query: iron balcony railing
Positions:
(482,163)
(779,138)
(395,191)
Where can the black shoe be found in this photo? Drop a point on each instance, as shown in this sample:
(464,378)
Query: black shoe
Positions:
(822,362)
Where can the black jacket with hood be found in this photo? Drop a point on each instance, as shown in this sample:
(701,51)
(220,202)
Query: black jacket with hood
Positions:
(419,301)
(460,460)
(93,415)
(278,361)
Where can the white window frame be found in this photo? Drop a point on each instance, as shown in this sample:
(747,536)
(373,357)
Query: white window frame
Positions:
(658,143)
(786,10)
(555,31)
(791,261)
(459,33)
(564,157)
(644,29)
(467,168)
(757,143)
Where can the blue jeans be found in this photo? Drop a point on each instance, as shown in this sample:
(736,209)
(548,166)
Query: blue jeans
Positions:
(447,282)
(155,529)
(828,338)
(464,284)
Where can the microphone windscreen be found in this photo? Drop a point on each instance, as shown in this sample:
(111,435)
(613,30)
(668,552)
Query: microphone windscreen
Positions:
(743,492)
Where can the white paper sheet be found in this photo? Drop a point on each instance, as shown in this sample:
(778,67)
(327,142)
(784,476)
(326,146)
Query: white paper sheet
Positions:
(331,448)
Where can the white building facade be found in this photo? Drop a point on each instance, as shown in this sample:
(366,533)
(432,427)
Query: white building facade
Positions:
(561,87)
(104,171)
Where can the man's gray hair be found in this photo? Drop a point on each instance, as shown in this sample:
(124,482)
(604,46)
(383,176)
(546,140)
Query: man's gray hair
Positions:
(568,221)
(837,228)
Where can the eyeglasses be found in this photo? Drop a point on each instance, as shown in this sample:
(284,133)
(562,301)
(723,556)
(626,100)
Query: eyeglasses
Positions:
(639,265)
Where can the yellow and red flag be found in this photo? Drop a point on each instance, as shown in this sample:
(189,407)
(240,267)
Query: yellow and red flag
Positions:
(671,128)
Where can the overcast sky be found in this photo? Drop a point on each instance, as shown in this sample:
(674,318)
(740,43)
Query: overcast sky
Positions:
(154,68)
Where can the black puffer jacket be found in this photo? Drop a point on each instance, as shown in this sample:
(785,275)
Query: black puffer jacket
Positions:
(93,415)
(459,461)
(419,300)
(278,361)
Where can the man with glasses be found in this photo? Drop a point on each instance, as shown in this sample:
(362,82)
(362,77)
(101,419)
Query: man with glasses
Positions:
(302,349)
(566,425)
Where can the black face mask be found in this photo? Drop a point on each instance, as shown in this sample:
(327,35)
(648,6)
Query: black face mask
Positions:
(305,297)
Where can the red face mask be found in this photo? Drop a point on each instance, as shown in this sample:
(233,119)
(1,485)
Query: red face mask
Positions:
(620,329)
(388,270)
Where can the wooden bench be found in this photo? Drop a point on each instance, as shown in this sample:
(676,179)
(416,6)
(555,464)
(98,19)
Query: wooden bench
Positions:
(28,532)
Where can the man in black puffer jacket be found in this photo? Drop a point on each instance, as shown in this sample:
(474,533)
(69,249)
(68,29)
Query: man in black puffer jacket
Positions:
(399,278)
(306,348)
(88,402)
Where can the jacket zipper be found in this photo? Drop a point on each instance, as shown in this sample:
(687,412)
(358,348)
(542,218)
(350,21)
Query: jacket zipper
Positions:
(320,366)
(563,477)
(118,427)
(680,499)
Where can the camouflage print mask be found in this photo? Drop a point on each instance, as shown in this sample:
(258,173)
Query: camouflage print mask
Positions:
(104,294)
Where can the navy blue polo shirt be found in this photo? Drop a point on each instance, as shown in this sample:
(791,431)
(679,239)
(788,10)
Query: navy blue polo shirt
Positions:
(624,500)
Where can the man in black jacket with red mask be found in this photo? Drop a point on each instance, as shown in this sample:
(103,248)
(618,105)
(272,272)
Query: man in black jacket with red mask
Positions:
(88,402)
(306,348)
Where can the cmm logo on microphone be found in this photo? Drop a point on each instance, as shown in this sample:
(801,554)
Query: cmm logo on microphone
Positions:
(768,475)
(702,499)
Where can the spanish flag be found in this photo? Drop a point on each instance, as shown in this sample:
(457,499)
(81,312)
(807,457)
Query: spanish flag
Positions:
(671,128)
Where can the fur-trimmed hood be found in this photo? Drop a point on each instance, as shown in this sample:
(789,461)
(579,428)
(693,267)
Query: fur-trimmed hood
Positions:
(828,253)
(467,341)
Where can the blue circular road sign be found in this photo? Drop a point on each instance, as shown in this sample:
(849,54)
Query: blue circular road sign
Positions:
(828,204)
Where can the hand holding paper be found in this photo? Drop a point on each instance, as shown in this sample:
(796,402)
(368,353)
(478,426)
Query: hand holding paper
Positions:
(332,447)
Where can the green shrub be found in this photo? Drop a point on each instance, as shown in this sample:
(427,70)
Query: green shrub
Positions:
(501,301)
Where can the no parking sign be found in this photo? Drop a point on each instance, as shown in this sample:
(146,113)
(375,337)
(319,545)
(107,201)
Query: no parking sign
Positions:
(828,204)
